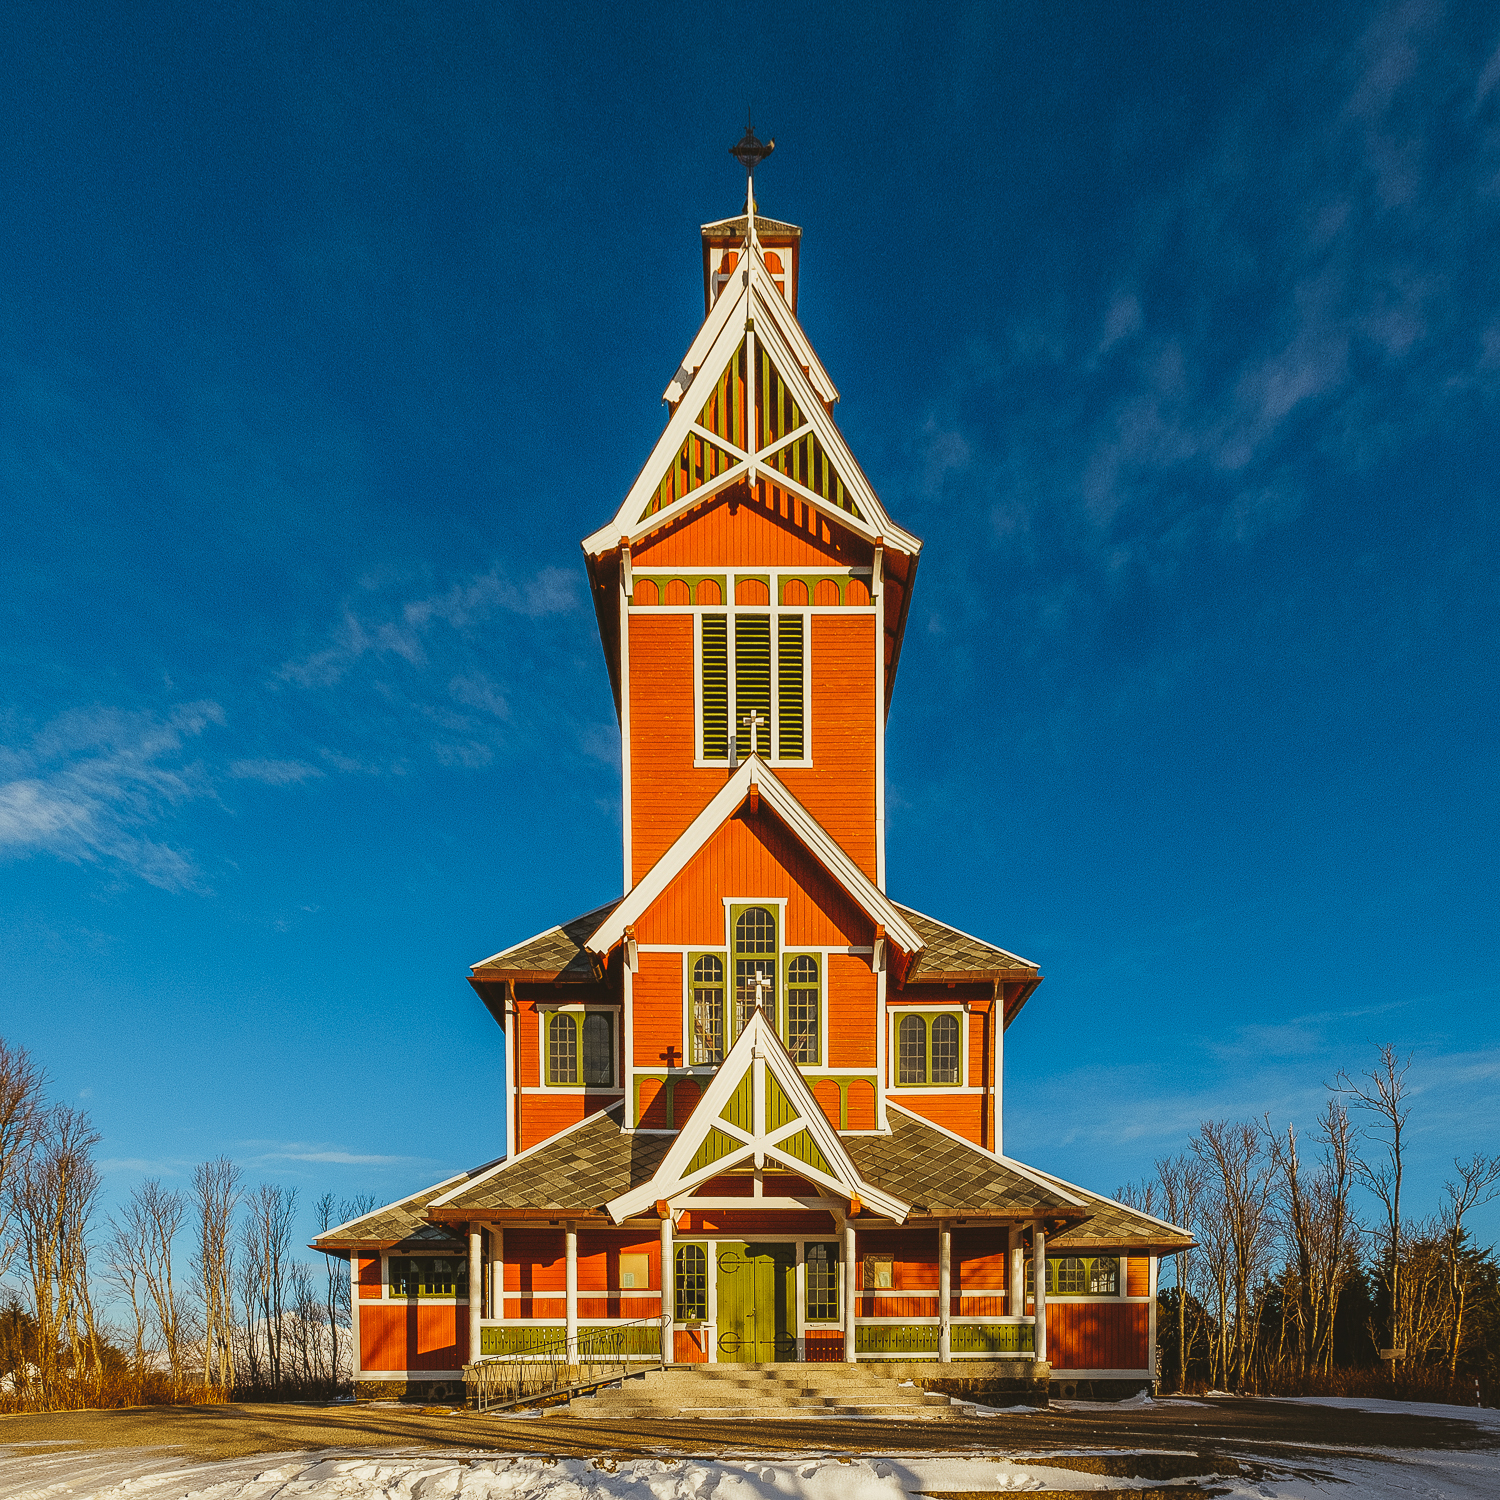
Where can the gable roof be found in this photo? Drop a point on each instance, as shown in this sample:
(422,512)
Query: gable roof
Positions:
(577,1169)
(395,1222)
(756,313)
(758,1110)
(1113,1225)
(557,953)
(941,1174)
(754,774)
(949,953)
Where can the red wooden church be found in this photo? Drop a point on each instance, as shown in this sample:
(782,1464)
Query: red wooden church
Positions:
(756,1092)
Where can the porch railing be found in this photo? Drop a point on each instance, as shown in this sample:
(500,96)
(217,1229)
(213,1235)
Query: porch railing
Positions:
(560,1366)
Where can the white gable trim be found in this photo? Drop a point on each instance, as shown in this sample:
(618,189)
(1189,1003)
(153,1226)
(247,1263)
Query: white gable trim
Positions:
(757,1050)
(754,772)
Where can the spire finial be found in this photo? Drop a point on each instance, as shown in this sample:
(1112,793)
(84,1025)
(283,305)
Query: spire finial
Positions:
(749,151)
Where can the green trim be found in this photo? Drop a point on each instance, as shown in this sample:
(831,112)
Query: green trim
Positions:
(738,1110)
(802,1147)
(992,1338)
(927,1017)
(897,1340)
(779,1110)
(507,1339)
(772,961)
(787,960)
(713,656)
(692,580)
(1078,1266)
(725,996)
(716,1146)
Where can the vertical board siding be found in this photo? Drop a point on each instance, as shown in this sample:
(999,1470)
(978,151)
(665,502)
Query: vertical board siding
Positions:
(369,1278)
(653,1096)
(543,1115)
(690,1346)
(1137,1276)
(685,1101)
(826,1092)
(772,530)
(1096,1335)
(753,854)
(861,1105)
(914,1255)
(963,1114)
(657,1008)
(412,1336)
(839,790)
(981,1260)
(666,792)
(853,1022)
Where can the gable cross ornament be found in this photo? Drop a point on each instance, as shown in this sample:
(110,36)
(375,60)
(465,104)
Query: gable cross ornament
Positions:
(752,721)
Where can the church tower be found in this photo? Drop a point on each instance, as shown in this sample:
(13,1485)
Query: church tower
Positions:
(753,1101)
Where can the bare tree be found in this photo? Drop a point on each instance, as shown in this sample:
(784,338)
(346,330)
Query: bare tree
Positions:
(216,1195)
(150,1224)
(123,1268)
(1180,1179)
(1382,1093)
(266,1240)
(1477,1183)
(1242,1179)
(21,1085)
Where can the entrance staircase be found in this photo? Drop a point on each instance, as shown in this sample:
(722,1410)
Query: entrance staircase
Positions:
(769,1392)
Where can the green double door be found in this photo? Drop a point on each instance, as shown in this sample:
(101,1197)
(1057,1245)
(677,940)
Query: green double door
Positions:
(757,1287)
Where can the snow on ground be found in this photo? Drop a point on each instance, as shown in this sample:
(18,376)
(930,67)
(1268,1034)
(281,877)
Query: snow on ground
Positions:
(1484,1416)
(135,1474)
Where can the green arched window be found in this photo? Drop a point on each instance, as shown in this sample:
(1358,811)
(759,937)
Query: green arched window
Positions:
(588,1038)
(803,1011)
(707,985)
(754,964)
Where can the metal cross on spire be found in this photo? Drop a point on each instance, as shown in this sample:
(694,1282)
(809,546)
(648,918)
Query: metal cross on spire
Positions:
(750,153)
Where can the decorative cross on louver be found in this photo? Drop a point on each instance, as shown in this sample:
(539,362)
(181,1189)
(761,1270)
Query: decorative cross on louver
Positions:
(752,721)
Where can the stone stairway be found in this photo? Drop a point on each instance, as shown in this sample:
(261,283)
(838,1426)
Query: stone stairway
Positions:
(775,1392)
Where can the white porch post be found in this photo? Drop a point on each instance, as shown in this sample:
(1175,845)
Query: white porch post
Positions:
(353,1318)
(1016,1306)
(570,1239)
(945,1292)
(1039,1270)
(497,1270)
(476,1291)
(851,1297)
(667,1289)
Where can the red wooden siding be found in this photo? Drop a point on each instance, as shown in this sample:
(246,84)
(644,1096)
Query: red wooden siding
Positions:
(369,1278)
(751,591)
(543,1115)
(657,1001)
(1137,1276)
(853,1019)
(732,530)
(677,592)
(685,1101)
(732,1221)
(413,1336)
(825,592)
(690,1346)
(915,1263)
(653,1097)
(825,1347)
(826,1092)
(963,1114)
(666,793)
(752,854)
(839,790)
(861,1105)
(1097,1335)
(981,1260)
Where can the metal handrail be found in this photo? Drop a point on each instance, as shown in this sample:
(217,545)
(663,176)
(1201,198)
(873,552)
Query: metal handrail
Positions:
(560,1365)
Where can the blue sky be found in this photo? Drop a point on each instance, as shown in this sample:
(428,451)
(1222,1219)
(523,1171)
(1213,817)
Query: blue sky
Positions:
(328,330)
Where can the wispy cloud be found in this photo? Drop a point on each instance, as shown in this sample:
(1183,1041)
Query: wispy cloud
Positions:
(85,787)
(273,772)
(330,1155)
(1284,306)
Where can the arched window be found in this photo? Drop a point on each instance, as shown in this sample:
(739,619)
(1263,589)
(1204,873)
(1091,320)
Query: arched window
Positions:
(598,1050)
(1070,1278)
(803,1028)
(754,964)
(708,1009)
(692,1284)
(1104,1276)
(944,1049)
(773,263)
(913,1050)
(562,1049)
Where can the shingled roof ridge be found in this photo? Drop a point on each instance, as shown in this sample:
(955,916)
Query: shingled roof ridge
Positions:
(561,928)
(948,926)
(415,1204)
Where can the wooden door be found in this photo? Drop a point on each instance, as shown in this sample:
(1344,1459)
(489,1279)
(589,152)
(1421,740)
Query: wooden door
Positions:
(757,1286)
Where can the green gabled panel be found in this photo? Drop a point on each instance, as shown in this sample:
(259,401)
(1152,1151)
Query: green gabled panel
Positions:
(804,461)
(716,1146)
(738,1110)
(805,1149)
(724,412)
(779,1110)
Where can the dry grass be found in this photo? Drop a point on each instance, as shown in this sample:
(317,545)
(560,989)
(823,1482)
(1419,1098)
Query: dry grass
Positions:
(1407,1383)
(111,1391)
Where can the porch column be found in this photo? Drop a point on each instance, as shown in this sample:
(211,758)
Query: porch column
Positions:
(1016,1306)
(1039,1270)
(476,1290)
(497,1270)
(668,1287)
(851,1296)
(570,1240)
(945,1292)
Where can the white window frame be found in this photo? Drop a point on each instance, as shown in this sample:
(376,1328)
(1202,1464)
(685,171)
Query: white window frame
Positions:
(892,1051)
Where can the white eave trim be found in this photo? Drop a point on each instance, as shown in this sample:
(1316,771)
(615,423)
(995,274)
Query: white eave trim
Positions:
(861,889)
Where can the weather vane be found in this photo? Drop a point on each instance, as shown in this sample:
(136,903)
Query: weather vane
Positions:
(749,151)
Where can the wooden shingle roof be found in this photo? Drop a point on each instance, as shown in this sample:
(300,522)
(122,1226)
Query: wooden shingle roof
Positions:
(953,955)
(577,1171)
(557,953)
(402,1220)
(941,1175)
(1113,1226)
